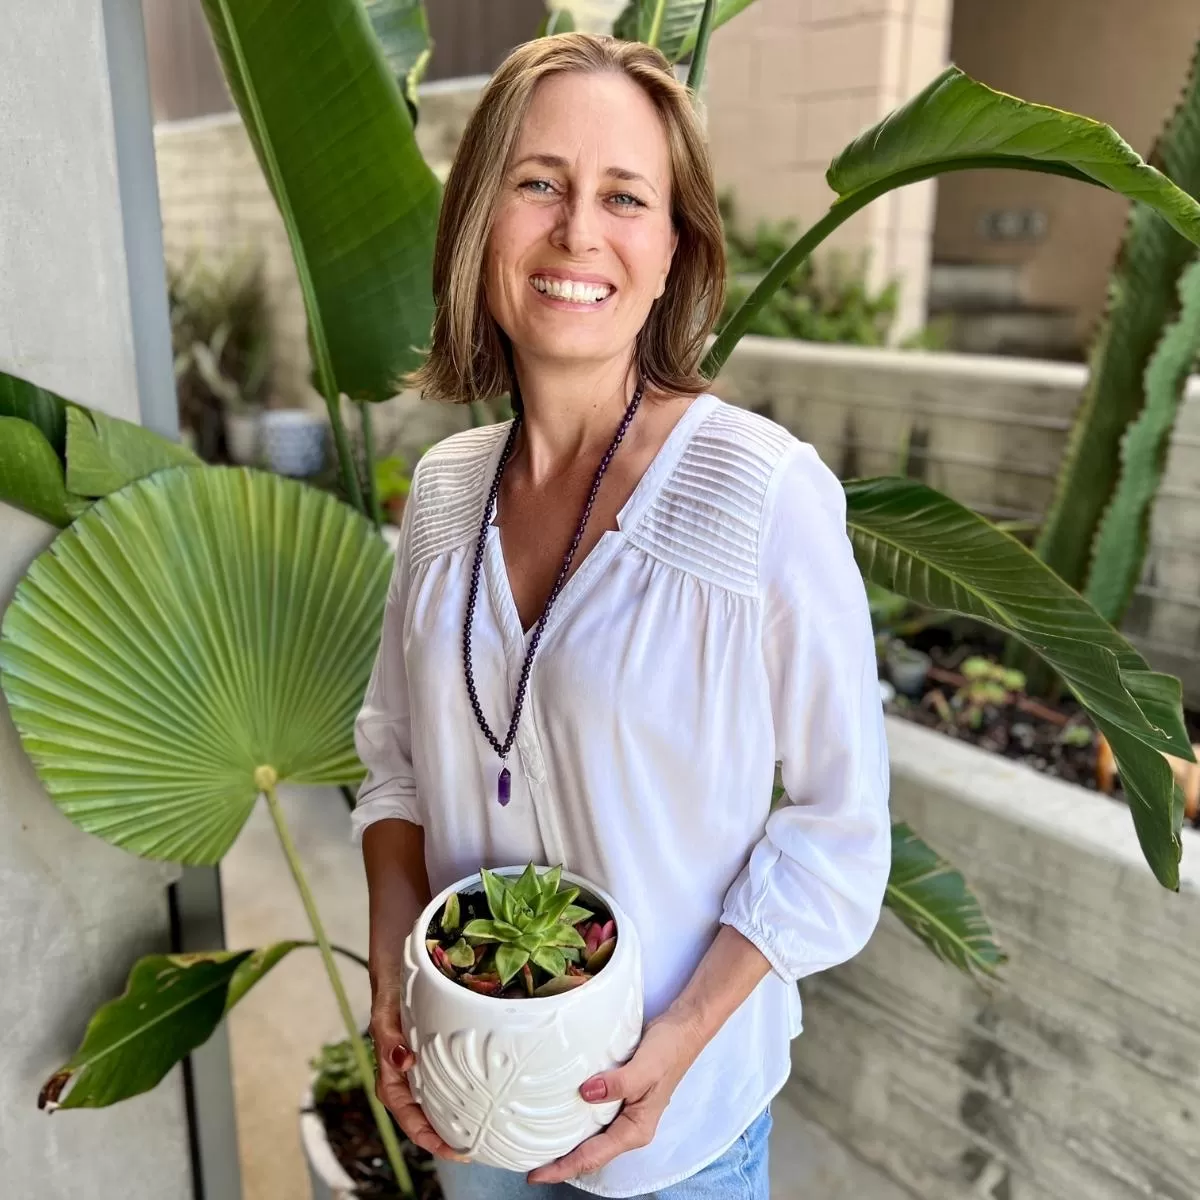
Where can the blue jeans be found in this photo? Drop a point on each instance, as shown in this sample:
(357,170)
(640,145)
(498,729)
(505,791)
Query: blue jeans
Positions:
(739,1174)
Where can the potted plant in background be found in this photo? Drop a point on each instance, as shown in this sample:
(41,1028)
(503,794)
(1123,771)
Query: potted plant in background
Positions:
(512,995)
(162,740)
(221,341)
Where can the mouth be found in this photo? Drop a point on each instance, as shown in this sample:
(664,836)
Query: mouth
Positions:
(576,293)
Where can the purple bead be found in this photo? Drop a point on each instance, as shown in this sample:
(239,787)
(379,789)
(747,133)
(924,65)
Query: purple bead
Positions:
(504,788)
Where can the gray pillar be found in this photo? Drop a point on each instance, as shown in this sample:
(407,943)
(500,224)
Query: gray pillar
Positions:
(83,312)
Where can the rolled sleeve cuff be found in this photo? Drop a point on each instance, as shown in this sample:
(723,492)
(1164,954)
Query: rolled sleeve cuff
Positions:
(395,800)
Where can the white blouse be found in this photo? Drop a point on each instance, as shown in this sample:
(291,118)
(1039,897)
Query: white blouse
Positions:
(722,628)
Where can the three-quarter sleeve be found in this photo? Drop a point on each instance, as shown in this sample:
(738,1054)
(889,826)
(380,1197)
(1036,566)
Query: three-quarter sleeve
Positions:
(383,729)
(811,893)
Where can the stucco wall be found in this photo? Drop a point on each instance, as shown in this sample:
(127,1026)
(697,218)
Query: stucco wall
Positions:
(1075,1075)
(1120,61)
(77,317)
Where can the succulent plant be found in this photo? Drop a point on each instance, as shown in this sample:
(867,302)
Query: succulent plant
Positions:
(535,941)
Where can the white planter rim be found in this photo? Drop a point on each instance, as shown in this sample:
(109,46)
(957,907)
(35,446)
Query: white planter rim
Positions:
(625,946)
(317,1149)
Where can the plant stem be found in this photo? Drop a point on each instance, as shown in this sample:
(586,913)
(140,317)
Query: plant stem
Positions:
(367,1077)
(344,453)
(656,23)
(368,432)
(320,343)
(842,210)
(700,53)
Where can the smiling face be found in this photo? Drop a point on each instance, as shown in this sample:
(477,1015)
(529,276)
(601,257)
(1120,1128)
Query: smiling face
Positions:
(581,240)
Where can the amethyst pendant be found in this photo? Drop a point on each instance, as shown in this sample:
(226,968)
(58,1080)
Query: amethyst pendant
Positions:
(504,788)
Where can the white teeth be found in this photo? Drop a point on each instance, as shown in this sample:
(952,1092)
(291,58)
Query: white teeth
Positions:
(569,289)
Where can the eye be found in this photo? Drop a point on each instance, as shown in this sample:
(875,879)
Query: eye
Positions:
(627,200)
(539,187)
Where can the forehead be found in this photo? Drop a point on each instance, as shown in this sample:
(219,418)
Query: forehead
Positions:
(575,116)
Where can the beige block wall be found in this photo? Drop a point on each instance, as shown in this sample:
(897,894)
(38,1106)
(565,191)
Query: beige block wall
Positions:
(215,201)
(790,83)
(1120,61)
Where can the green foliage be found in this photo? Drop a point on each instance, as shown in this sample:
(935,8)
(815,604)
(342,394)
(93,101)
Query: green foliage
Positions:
(1142,297)
(988,685)
(180,635)
(680,23)
(1124,531)
(26,401)
(171,1004)
(336,1069)
(953,124)
(403,32)
(532,921)
(922,545)
(31,475)
(105,455)
(556,20)
(933,900)
(393,478)
(335,141)
(56,456)
(830,303)
(220,334)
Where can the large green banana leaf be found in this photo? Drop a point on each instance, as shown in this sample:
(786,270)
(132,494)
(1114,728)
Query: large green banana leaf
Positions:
(20,398)
(403,32)
(171,1004)
(105,453)
(1124,532)
(680,22)
(335,140)
(55,455)
(956,124)
(920,544)
(31,475)
(933,900)
(183,632)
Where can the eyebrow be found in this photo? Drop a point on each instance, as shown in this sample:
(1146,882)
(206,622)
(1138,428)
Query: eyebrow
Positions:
(557,161)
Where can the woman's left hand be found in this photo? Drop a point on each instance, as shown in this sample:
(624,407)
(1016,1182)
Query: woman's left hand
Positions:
(645,1084)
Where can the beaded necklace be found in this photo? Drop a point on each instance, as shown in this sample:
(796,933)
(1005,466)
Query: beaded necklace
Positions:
(504,783)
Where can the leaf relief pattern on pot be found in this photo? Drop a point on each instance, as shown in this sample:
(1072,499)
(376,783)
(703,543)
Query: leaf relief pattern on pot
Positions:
(507,1099)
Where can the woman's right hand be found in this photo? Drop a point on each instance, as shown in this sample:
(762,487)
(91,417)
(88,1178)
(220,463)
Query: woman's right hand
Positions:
(395,1061)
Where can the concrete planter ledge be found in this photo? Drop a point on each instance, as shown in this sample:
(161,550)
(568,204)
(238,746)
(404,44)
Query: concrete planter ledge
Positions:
(997,787)
(1075,1075)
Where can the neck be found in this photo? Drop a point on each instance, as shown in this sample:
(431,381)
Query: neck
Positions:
(570,412)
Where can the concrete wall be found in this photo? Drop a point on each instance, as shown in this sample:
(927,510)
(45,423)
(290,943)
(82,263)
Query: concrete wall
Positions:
(1076,1075)
(790,84)
(84,312)
(1122,62)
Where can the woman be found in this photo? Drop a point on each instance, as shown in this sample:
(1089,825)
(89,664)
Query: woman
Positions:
(712,621)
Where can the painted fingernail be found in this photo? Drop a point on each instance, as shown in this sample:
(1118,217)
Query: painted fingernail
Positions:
(594,1089)
(398,1054)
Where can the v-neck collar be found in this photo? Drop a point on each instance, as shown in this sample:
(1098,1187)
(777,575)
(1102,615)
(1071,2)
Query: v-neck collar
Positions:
(640,499)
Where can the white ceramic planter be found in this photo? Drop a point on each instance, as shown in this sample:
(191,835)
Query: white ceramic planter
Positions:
(499,1079)
(327,1178)
(294,439)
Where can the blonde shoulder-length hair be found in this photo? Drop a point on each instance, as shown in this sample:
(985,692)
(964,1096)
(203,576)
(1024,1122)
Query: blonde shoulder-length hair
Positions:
(470,357)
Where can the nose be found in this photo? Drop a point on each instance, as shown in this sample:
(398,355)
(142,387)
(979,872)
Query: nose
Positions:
(577,231)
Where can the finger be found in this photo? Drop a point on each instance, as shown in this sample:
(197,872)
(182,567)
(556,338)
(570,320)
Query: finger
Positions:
(397,1097)
(621,1083)
(390,1042)
(622,1135)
